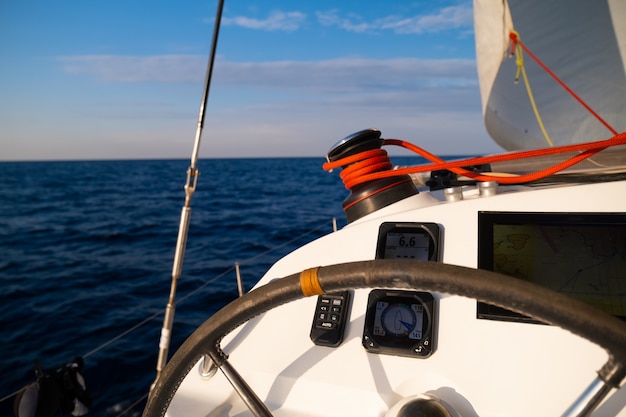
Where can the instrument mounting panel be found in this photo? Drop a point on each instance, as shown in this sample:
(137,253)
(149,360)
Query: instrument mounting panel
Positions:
(403,322)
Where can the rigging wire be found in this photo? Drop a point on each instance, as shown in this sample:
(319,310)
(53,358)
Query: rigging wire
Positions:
(190,188)
(11,395)
(132,405)
(516,40)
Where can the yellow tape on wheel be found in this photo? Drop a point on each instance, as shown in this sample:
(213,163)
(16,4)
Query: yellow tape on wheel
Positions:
(309,282)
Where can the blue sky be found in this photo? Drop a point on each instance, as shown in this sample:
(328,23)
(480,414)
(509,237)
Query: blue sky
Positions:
(123,79)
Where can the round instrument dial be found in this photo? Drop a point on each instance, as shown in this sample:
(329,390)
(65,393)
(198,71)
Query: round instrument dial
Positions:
(398,319)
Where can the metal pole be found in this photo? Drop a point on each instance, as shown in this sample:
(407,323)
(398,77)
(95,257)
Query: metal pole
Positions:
(239,280)
(190,187)
(589,399)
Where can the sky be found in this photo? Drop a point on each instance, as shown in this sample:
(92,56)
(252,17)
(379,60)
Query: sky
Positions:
(123,79)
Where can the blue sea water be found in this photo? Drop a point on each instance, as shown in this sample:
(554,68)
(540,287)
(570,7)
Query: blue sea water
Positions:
(86,253)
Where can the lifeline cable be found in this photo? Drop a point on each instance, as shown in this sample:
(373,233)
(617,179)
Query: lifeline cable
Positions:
(181,300)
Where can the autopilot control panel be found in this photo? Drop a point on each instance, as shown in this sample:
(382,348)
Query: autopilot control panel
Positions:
(397,322)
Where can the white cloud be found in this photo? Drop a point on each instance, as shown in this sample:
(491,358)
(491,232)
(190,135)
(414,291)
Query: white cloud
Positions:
(137,69)
(350,23)
(301,107)
(276,21)
(338,75)
(311,128)
(453,17)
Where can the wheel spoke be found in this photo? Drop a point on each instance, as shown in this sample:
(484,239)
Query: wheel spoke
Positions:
(254,403)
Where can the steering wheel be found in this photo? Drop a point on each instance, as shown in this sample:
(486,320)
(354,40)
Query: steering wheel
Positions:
(501,290)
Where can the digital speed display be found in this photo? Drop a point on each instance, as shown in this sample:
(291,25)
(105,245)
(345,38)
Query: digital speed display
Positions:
(407,245)
(418,241)
(399,322)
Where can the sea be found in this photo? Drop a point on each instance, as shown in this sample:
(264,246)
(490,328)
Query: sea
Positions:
(87,251)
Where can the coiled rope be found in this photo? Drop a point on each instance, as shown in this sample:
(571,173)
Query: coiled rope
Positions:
(587,150)
(357,176)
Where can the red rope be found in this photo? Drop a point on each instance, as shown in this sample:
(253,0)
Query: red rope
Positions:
(515,39)
(361,165)
(375,164)
(356,175)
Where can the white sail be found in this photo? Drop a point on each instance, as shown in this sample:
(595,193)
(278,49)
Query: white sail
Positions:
(583,42)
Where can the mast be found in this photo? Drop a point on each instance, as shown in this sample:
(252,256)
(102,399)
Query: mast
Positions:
(190,187)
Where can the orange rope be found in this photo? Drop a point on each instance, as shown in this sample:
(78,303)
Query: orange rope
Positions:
(375,164)
(363,164)
(586,149)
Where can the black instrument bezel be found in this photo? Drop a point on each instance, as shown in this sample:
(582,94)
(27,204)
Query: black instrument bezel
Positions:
(430,230)
(488,221)
(398,345)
